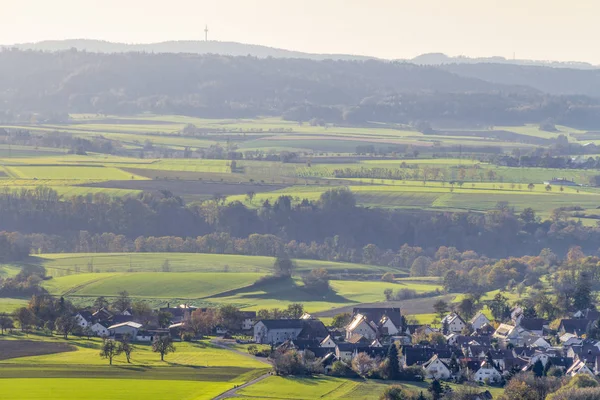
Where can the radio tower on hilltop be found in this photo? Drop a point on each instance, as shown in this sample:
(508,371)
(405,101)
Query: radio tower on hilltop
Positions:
(206,33)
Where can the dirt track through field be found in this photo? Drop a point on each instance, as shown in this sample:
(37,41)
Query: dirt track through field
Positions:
(233,392)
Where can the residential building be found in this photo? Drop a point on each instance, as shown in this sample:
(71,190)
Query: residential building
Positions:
(436,369)
(479,320)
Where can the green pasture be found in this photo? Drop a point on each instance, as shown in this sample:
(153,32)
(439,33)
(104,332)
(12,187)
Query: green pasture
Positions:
(8,305)
(325,387)
(150,284)
(184,262)
(436,195)
(372,292)
(197,370)
(102,389)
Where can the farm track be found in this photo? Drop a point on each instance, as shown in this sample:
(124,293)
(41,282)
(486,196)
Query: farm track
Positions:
(233,392)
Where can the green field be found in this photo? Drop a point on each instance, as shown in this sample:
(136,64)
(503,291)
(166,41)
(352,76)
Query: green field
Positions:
(195,371)
(69,172)
(210,279)
(58,264)
(151,284)
(435,195)
(325,387)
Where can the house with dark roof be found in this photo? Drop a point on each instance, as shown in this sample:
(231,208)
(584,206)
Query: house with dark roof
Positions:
(416,355)
(534,326)
(313,329)
(274,331)
(102,315)
(248,318)
(575,326)
(84,318)
(588,313)
(388,321)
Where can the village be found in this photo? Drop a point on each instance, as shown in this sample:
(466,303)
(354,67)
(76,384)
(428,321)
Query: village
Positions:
(476,350)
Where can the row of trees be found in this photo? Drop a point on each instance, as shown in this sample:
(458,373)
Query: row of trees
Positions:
(332,228)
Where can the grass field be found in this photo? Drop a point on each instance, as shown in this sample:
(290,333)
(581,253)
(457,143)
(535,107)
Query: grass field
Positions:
(8,305)
(436,195)
(150,284)
(195,371)
(280,388)
(183,262)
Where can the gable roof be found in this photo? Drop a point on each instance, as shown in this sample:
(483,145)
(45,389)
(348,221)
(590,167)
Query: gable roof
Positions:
(86,315)
(313,329)
(479,314)
(417,355)
(532,324)
(328,338)
(375,314)
(575,326)
(282,323)
(358,319)
(451,318)
(434,359)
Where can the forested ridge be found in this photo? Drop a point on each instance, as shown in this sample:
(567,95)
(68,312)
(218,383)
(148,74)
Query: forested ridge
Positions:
(214,86)
(115,224)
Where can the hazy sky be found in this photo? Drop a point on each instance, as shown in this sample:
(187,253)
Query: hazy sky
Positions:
(534,29)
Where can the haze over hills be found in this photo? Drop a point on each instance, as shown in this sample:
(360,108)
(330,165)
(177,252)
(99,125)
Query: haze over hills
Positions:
(181,46)
(243,49)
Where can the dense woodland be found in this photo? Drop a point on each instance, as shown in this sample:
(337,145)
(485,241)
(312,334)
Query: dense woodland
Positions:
(221,87)
(334,225)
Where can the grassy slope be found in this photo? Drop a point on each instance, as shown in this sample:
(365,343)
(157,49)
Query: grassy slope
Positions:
(151,284)
(184,262)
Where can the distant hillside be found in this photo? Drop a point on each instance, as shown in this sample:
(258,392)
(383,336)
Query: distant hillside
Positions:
(219,86)
(181,46)
(442,59)
(557,81)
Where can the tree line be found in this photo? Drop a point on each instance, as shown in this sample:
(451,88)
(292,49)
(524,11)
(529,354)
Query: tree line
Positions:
(331,228)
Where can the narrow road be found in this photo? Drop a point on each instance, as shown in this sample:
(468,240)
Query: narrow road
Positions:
(233,392)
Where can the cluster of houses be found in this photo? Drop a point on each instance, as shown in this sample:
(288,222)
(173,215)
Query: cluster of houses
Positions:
(104,323)
(489,354)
